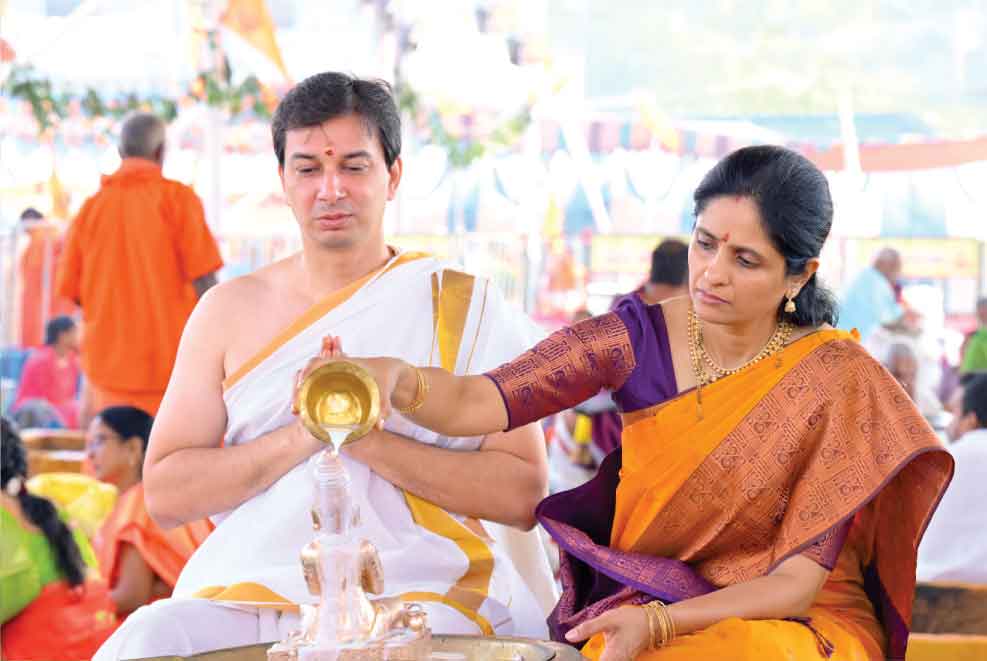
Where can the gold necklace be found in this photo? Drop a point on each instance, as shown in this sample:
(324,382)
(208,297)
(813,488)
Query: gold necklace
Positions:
(698,355)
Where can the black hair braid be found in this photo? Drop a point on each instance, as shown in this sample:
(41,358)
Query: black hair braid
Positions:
(39,511)
(43,514)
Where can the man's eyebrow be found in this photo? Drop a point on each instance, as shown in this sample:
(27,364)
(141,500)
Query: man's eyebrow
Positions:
(301,156)
(363,153)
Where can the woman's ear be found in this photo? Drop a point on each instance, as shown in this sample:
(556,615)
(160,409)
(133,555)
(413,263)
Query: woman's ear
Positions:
(135,448)
(796,282)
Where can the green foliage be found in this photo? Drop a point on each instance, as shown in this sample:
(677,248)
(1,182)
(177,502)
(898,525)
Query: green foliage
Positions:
(463,151)
(50,105)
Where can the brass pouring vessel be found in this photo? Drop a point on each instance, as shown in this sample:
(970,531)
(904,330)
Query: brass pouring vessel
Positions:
(339,393)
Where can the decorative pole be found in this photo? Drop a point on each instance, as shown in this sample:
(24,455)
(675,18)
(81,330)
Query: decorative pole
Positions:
(214,114)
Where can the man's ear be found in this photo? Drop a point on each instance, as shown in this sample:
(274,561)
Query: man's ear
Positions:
(396,169)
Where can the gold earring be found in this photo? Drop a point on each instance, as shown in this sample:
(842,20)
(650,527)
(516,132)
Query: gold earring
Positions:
(790,305)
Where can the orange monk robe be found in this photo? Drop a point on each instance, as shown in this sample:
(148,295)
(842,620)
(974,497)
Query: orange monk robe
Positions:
(129,260)
(39,261)
(164,551)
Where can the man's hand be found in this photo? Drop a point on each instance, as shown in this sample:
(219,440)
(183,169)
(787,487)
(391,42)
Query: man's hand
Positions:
(387,372)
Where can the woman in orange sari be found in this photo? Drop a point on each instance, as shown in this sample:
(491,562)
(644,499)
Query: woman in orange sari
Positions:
(140,560)
(773,481)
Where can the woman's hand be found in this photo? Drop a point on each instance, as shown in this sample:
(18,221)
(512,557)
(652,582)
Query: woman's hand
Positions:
(625,633)
(387,372)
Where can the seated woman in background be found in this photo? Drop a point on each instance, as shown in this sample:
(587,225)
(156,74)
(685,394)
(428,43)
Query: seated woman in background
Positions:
(139,559)
(53,604)
(48,392)
(773,481)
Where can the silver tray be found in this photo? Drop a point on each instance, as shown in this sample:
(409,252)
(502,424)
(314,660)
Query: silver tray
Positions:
(473,648)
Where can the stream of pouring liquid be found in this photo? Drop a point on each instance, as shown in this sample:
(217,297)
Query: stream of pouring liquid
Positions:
(337,435)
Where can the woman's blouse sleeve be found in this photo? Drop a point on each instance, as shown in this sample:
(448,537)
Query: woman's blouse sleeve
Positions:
(825,551)
(566,368)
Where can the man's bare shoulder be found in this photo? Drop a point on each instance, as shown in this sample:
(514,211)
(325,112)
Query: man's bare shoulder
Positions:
(249,291)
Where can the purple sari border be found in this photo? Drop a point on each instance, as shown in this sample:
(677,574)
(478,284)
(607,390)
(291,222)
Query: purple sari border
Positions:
(689,584)
(895,628)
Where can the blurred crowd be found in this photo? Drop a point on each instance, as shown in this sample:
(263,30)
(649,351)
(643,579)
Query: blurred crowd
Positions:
(115,300)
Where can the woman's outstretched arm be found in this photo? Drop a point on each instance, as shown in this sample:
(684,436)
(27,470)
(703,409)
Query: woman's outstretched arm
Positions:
(450,405)
(558,373)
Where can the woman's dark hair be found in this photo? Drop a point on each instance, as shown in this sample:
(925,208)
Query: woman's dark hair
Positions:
(57,326)
(796,210)
(40,511)
(325,96)
(128,422)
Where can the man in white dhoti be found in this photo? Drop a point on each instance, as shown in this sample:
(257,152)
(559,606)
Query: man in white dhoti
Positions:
(227,445)
(954,547)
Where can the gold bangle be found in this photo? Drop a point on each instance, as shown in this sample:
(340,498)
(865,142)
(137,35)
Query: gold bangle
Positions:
(658,607)
(651,625)
(420,393)
(668,628)
(666,625)
(671,623)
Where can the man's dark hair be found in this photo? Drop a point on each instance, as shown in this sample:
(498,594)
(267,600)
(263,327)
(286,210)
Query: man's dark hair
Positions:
(967,377)
(31,214)
(670,263)
(57,326)
(325,96)
(975,398)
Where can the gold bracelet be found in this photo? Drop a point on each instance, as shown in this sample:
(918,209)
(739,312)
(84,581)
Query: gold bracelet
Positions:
(666,625)
(656,606)
(420,393)
(651,625)
(669,627)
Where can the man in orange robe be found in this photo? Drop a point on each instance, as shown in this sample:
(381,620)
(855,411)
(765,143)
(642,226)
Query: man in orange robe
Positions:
(137,258)
(37,263)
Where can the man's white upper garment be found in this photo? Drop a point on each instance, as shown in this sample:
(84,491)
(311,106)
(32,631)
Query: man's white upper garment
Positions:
(469,578)
(954,547)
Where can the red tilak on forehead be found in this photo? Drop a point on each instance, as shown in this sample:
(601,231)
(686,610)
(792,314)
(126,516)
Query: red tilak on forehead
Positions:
(726,237)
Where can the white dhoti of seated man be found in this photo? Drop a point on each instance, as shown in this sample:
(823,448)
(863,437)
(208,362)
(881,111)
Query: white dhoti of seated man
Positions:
(227,444)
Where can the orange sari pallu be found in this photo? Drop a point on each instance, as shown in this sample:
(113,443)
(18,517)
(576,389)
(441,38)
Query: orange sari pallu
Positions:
(164,551)
(824,456)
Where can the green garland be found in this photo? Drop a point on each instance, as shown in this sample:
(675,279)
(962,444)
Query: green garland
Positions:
(462,152)
(50,105)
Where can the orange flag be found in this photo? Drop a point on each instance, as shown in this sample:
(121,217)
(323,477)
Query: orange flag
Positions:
(59,197)
(252,20)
